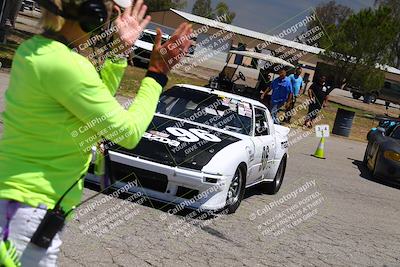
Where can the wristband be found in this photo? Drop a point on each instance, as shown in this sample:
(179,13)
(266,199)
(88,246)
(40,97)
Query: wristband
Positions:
(162,79)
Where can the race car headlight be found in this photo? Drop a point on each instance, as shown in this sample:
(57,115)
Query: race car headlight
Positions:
(212,178)
(392,155)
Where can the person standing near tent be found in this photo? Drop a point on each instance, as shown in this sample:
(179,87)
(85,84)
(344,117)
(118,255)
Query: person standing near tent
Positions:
(9,10)
(13,13)
(264,82)
(56,102)
(319,95)
(281,94)
(297,85)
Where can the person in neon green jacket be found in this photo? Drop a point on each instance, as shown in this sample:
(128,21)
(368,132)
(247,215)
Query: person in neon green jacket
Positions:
(57,106)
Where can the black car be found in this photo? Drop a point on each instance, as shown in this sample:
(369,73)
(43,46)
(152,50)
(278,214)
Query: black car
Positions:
(390,93)
(382,155)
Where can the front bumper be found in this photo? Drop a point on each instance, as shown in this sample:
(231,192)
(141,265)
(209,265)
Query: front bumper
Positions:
(175,185)
(388,169)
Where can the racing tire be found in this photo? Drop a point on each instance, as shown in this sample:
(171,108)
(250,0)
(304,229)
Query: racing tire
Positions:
(365,160)
(373,171)
(273,187)
(236,191)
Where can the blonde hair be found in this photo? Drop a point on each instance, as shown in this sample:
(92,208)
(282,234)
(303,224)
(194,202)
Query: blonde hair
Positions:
(50,21)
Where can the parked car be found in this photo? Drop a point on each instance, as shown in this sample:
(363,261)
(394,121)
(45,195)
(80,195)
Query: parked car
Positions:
(389,93)
(144,46)
(202,150)
(382,155)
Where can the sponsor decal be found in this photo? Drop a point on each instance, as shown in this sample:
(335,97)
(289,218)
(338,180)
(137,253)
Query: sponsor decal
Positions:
(159,134)
(164,140)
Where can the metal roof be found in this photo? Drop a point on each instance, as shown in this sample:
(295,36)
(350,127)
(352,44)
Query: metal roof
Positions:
(245,32)
(265,57)
(260,36)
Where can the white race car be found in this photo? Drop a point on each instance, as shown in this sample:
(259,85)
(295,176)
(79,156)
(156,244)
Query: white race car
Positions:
(202,150)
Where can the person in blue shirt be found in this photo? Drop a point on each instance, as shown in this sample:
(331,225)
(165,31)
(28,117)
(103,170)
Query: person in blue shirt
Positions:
(282,94)
(297,84)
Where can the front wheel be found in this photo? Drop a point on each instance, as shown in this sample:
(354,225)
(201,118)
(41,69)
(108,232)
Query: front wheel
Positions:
(366,155)
(273,187)
(236,191)
(374,171)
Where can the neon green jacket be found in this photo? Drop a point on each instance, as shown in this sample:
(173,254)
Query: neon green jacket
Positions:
(56,108)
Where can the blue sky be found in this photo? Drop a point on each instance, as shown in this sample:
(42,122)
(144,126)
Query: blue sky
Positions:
(266,15)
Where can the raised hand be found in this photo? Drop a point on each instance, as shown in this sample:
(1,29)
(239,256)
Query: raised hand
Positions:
(165,57)
(131,23)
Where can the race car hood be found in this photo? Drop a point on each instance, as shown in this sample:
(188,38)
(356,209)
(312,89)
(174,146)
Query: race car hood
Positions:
(391,144)
(160,146)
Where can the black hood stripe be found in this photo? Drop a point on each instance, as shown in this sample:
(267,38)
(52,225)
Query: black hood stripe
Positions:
(160,145)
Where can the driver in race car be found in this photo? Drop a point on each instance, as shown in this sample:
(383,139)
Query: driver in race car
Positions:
(55,103)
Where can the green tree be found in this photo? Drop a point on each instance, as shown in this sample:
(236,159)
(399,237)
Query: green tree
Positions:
(331,13)
(203,8)
(329,16)
(361,44)
(222,10)
(160,5)
(394,6)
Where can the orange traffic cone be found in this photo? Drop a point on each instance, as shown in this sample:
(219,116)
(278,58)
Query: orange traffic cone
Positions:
(320,152)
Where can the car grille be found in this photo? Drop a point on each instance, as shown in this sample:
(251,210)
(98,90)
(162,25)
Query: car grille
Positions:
(187,193)
(145,178)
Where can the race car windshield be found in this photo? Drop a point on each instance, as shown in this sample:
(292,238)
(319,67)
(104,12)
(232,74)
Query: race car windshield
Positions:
(209,109)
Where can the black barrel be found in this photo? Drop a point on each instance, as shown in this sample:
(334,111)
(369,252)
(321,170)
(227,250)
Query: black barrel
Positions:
(343,122)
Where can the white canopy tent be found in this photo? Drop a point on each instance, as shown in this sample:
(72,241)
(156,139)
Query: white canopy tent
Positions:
(260,56)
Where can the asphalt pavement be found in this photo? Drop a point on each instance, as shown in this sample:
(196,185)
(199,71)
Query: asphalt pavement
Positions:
(339,217)
(328,213)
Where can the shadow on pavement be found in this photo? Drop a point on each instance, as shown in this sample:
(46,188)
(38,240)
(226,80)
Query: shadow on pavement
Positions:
(168,208)
(151,203)
(253,191)
(365,173)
